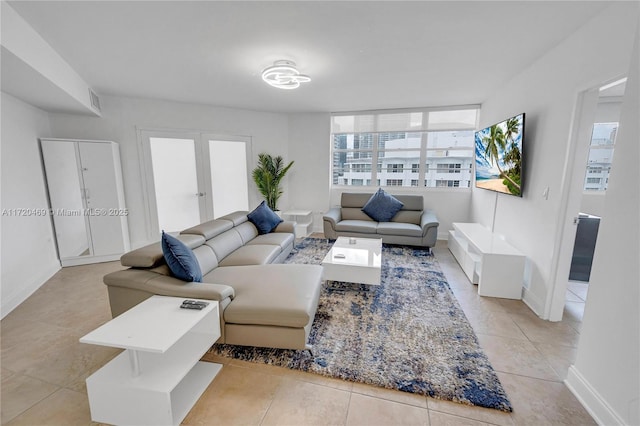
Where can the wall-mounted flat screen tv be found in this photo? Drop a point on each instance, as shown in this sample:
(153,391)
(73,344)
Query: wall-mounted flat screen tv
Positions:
(499,156)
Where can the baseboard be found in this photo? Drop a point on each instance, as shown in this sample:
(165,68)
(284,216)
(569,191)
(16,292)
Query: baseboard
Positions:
(14,300)
(590,399)
(533,302)
(87,260)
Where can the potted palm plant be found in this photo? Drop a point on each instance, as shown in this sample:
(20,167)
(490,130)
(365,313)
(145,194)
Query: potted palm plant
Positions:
(267,175)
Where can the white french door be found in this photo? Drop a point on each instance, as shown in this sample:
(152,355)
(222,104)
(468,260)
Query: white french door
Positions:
(192,177)
(229,178)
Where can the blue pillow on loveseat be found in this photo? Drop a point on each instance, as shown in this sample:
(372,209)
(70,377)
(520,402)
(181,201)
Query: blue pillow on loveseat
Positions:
(382,207)
(264,218)
(180,259)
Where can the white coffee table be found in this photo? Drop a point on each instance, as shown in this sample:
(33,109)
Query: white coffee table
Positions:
(359,261)
(158,378)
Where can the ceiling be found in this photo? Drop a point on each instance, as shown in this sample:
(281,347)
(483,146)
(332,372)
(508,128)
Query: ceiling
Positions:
(360,55)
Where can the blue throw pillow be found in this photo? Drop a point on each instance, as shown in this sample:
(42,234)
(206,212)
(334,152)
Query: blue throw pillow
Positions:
(264,218)
(180,259)
(382,207)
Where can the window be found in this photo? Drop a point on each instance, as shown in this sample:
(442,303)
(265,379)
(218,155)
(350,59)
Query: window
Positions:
(447,183)
(411,147)
(448,167)
(361,168)
(603,139)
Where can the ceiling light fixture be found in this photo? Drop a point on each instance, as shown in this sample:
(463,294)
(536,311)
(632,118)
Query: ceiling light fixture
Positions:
(284,75)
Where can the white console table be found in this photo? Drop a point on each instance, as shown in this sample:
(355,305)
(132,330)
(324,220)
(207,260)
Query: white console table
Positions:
(488,260)
(304,220)
(158,378)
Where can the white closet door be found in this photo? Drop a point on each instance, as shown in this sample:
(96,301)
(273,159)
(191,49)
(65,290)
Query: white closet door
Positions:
(67,198)
(101,194)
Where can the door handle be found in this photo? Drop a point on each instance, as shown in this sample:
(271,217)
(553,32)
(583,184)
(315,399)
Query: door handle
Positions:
(200,194)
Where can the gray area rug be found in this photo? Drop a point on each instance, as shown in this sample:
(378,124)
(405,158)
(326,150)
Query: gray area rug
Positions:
(408,334)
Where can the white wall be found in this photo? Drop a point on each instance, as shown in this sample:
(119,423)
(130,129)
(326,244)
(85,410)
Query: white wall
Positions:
(593,203)
(34,61)
(309,147)
(547,92)
(121,117)
(606,374)
(28,254)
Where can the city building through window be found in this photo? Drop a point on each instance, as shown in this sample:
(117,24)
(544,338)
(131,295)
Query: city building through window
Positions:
(603,139)
(410,147)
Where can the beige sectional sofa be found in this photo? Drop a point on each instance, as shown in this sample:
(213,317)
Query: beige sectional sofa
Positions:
(412,225)
(262,303)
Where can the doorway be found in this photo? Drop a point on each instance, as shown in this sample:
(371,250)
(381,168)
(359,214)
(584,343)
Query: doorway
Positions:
(596,179)
(595,125)
(192,177)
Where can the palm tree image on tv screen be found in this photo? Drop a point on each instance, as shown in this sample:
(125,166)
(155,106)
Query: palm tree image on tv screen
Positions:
(499,156)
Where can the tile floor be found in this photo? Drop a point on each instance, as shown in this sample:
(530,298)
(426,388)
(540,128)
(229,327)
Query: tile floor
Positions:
(44,366)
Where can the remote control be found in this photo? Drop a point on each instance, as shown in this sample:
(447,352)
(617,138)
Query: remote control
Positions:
(194,302)
(191,306)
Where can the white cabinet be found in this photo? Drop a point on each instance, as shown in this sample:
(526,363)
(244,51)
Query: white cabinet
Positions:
(86,200)
(158,378)
(488,260)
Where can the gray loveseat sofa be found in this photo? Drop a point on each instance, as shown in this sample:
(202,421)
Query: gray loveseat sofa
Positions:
(412,225)
(262,303)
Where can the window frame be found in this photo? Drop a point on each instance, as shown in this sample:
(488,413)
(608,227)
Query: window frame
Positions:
(424,149)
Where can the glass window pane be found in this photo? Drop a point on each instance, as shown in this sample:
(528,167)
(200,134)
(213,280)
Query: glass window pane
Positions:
(454,119)
(228,161)
(442,168)
(353,123)
(352,168)
(397,167)
(598,168)
(604,133)
(353,141)
(399,140)
(340,141)
(603,139)
(399,121)
(176,193)
(451,139)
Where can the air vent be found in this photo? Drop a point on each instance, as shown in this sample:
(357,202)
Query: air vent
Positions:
(95,100)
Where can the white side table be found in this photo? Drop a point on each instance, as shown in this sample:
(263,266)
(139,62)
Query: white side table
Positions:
(158,378)
(304,220)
